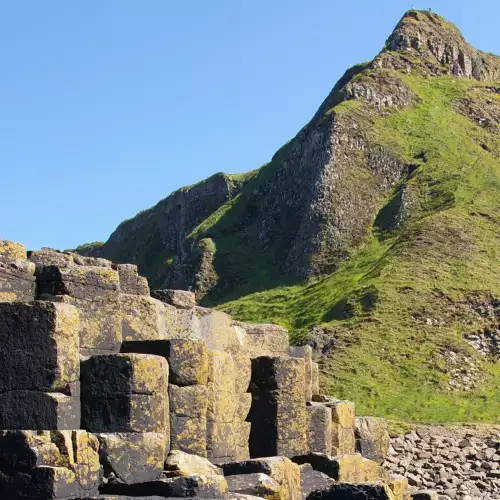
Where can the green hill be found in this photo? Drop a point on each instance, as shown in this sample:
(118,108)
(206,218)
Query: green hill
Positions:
(374,234)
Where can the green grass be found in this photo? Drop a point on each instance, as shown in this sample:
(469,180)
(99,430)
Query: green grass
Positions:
(381,300)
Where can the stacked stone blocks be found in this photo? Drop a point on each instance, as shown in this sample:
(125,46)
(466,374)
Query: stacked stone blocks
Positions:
(110,379)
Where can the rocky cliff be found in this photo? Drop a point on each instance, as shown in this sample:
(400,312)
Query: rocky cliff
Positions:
(371,234)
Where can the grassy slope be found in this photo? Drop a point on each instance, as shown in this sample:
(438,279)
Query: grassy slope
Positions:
(448,248)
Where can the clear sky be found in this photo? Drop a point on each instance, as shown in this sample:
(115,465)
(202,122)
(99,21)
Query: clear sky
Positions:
(108,106)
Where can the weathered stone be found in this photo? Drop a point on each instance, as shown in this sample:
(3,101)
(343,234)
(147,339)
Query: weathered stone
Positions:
(344,468)
(179,463)
(189,401)
(10,251)
(280,469)
(243,370)
(243,404)
(372,438)
(50,257)
(178,487)
(39,347)
(319,430)
(343,420)
(215,328)
(125,393)
(279,418)
(315,378)
(180,299)
(188,434)
(187,358)
(258,484)
(221,439)
(266,339)
(48,465)
(39,410)
(113,375)
(100,323)
(305,353)
(130,281)
(399,487)
(17,281)
(133,457)
(126,413)
(313,480)
(143,318)
(80,282)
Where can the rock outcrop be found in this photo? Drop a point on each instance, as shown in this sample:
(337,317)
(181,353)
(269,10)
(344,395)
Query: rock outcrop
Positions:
(106,392)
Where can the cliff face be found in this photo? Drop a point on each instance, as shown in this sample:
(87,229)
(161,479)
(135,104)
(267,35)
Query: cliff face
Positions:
(153,238)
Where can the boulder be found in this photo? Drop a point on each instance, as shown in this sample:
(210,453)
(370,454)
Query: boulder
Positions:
(180,299)
(257,484)
(313,480)
(179,463)
(179,487)
(372,438)
(133,457)
(282,470)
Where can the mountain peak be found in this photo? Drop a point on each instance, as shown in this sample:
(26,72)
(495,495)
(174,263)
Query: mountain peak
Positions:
(428,41)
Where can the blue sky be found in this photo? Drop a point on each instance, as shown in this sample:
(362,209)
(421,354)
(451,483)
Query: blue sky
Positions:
(108,106)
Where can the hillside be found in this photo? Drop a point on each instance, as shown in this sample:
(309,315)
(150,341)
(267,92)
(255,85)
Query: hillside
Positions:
(373,234)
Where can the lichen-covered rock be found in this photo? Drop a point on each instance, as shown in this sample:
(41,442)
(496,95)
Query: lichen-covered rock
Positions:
(38,410)
(142,318)
(125,393)
(188,434)
(313,480)
(130,281)
(17,281)
(257,484)
(319,429)
(399,487)
(39,347)
(174,487)
(278,415)
(343,422)
(305,353)
(133,457)
(187,358)
(181,299)
(344,468)
(372,438)
(80,282)
(315,379)
(51,257)
(48,465)
(188,401)
(10,251)
(264,339)
(179,463)
(280,469)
